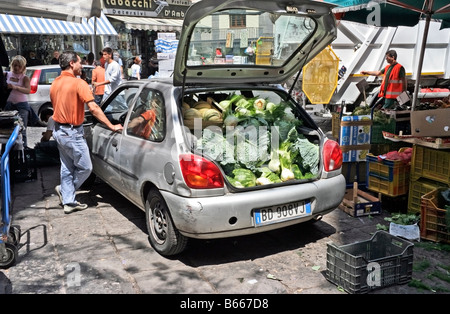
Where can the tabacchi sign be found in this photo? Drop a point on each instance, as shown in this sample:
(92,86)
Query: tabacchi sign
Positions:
(174,9)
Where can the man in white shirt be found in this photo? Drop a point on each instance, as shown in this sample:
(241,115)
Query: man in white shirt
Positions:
(112,73)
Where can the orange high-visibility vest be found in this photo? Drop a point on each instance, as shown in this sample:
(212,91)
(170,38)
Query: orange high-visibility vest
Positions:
(395,86)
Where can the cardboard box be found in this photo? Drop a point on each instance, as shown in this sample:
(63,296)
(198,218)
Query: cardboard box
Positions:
(165,55)
(167,36)
(166,65)
(434,123)
(354,137)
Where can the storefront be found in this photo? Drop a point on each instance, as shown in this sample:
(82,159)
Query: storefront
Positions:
(25,35)
(138,24)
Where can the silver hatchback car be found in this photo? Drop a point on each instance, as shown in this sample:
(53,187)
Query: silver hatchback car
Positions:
(41,78)
(220,149)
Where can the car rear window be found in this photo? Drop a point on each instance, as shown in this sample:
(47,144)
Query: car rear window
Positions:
(252,37)
(48,76)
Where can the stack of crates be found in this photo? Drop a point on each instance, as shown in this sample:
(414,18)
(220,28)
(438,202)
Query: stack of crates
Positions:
(399,121)
(434,224)
(430,169)
(388,177)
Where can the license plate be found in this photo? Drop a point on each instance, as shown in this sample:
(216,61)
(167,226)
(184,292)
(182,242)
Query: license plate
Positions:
(282,212)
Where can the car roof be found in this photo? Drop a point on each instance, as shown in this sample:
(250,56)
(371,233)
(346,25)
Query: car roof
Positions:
(52,66)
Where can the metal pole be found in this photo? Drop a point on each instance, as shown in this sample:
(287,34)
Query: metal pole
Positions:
(421,56)
(93,39)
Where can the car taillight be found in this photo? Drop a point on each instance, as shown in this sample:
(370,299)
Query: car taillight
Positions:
(200,173)
(34,82)
(332,155)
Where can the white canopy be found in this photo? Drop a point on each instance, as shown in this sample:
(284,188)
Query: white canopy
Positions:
(71,11)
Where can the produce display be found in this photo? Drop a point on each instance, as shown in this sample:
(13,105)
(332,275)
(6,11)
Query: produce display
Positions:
(379,117)
(443,103)
(257,141)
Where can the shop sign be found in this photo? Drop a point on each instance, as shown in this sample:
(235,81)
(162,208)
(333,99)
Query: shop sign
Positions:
(170,9)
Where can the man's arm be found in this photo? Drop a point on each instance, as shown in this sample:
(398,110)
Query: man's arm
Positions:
(135,122)
(100,115)
(46,135)
(101,83)
(375,73)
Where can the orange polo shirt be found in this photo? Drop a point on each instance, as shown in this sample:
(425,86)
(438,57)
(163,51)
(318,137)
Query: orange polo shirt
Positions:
(98,75)
(68,95)
(150,118)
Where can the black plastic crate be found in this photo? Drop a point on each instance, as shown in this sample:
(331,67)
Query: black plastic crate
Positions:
(360,267)
(23,165)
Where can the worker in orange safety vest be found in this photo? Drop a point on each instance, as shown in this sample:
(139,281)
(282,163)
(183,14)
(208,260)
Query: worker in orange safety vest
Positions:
(394,79)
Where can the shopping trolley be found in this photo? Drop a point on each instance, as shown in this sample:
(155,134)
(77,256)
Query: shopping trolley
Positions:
(9,235)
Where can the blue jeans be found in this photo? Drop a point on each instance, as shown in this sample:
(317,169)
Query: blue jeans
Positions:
(76,164)
(98,99)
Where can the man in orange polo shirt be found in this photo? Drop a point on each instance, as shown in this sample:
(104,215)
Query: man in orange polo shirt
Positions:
(69,95)
(98,75)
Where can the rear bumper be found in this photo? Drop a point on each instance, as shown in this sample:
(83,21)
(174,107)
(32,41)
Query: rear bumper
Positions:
(232,214)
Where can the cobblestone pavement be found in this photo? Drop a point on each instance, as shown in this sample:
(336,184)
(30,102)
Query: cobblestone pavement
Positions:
(105,250)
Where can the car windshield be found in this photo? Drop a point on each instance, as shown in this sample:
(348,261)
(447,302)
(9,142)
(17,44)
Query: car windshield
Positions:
(247,37)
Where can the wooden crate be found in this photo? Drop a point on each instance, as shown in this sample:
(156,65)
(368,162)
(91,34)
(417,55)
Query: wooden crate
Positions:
(358,203)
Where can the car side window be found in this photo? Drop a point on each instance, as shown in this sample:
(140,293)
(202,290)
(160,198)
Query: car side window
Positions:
(148,119)
(116,106)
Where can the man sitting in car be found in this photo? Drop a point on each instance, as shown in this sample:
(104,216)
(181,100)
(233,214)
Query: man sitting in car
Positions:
(142,125)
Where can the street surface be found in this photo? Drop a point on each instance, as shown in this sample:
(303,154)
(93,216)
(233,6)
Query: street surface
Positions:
(105,250)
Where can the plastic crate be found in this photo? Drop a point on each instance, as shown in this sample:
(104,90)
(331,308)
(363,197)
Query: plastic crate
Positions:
(430,163)
(418,188)
(382,261)
(433,223)
(389,177)
(377,131)
(23,165)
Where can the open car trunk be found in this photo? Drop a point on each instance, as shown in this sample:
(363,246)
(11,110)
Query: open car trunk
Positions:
(257,136)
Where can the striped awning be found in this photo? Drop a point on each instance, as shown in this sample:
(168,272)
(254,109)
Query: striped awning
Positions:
(34,25)
(104,27)
(149,23)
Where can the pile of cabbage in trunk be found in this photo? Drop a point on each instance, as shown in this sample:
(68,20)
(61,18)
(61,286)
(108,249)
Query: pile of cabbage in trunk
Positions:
(259,143)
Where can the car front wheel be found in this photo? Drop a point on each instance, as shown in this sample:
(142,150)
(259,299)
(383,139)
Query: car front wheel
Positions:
(163,235)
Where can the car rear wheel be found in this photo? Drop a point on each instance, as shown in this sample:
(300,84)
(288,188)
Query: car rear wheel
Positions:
(163,235)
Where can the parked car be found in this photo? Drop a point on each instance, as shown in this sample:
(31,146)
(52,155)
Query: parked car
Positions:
(41,77)
(230,153)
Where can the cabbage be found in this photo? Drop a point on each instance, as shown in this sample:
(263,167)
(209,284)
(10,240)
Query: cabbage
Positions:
(309,153)
(245,177)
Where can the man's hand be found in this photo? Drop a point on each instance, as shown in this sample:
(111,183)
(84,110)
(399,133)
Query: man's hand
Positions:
(117,127)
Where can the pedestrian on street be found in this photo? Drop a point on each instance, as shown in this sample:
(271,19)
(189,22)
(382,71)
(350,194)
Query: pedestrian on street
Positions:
(19,84)
(32,61)
(113,75)
(55,59)
(394,80)
(98,75)
(69,95)
(136,69)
